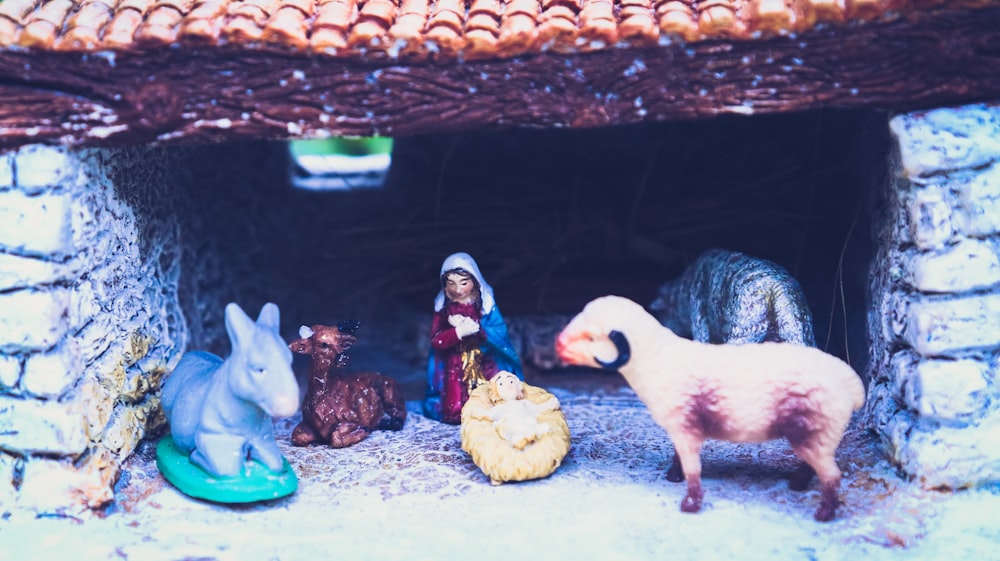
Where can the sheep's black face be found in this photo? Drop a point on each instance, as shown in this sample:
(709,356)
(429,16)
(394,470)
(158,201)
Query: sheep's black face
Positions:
(581,345)
(624,351)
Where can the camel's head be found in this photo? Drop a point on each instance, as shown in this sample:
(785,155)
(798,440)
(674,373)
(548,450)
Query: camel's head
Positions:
(327,343)
(596,337)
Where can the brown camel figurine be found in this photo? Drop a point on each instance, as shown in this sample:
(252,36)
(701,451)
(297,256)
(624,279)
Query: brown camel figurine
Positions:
(342,409)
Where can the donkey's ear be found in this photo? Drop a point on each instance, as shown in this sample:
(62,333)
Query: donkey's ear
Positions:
(238,324)
(269,316)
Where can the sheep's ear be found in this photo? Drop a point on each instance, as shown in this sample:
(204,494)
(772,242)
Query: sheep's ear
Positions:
(305,332)
(624,351)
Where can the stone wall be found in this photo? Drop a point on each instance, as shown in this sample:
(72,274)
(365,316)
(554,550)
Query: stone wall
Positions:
(89,318)
(936,293)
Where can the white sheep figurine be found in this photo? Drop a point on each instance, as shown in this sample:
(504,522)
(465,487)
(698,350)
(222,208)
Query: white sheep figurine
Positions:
(739,393)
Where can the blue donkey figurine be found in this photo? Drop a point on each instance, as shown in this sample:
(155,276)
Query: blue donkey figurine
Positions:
(220,413)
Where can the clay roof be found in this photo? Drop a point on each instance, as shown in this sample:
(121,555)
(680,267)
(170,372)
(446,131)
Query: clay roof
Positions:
(443,29)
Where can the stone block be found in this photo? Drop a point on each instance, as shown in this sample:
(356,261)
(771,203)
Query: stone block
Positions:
(60,486)
(17,271)
(98,401)
(948,457)
(8,495)
(949,390)
(965,266)
(36,225)
(41,427)
(6,170)
(902,368)
(929,215)
(948,326)
(977,210)
(32,320)
(880,404)
(50,374)
(94,328)
(947,139)
(129,424)
(10,371)
(123,431)
(41,166)
(143,378)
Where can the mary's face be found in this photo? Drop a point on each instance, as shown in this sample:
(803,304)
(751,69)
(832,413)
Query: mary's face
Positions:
(460,288)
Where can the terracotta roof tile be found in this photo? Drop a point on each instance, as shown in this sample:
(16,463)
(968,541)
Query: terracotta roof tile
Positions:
(426,28)
(598,26)
(83,30)
(126,20)
(288,26)
(17,10)
(163,21)
(677,19)
(637,22)
(42,26)
(204,22)
(868,9)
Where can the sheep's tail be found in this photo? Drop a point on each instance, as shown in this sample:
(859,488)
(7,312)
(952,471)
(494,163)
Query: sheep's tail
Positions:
(857,389)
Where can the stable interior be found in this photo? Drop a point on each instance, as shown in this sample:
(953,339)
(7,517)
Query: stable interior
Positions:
(558,217)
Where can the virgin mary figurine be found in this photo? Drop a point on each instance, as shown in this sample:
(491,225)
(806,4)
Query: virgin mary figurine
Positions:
(469,340)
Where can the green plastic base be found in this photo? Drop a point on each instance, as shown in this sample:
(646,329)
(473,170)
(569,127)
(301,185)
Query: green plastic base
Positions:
(256,483)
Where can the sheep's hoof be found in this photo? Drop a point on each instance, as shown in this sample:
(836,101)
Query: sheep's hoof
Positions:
(825,513)
(828,504)
(691,504)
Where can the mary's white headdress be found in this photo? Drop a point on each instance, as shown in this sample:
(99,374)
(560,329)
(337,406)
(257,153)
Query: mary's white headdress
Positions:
(464,261)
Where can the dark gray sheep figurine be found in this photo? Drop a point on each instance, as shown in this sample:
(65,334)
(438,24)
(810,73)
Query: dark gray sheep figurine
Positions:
(729,297)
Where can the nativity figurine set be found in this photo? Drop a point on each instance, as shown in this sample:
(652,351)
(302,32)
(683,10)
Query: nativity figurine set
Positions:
(726,351)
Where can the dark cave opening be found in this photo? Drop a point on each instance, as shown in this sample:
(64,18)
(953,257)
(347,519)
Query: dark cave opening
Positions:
(553,217)
(558,217)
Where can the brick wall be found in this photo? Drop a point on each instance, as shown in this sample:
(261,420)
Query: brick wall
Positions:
(89,319)
(936,293)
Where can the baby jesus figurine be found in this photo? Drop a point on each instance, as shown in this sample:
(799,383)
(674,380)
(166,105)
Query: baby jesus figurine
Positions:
(514,431)
(514,417)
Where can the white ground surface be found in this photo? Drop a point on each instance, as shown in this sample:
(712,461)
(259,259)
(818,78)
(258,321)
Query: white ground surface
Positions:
(414,494)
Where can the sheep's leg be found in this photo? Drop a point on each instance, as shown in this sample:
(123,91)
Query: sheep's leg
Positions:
(675,473)
(799,481)
(346,434)
(304,435)
(829,479)
(689,453)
